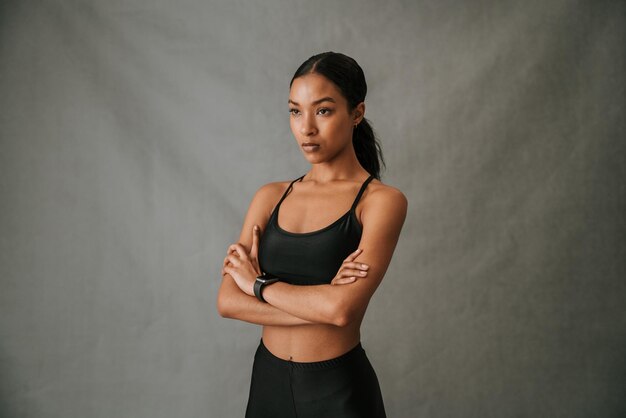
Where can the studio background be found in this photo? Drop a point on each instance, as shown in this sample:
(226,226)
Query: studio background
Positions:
(134,135)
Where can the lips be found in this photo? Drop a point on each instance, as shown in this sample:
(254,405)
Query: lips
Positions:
(310,147)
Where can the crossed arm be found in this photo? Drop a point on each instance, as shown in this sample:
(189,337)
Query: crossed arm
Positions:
(287,305)
(236,304)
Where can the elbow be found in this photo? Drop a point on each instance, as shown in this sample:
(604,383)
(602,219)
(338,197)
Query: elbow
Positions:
(223,307)
(341,321)
(343,316)
(222,310)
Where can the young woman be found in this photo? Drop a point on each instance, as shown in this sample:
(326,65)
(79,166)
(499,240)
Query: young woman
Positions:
(328,238)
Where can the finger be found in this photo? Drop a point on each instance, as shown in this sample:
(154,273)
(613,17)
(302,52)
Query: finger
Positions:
(234,260)
(227,261)
(355,265)
(231,251)
(226,264)
(241,251)
(256,231)
(353,255)
(344,280)
(352,273)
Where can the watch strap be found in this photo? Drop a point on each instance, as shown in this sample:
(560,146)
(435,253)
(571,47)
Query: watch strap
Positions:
(259,284)
(257,290)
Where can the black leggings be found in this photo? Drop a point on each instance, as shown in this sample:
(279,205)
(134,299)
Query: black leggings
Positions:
(341,387)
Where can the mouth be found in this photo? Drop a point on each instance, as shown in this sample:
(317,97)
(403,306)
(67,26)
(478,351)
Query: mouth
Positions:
(310,146)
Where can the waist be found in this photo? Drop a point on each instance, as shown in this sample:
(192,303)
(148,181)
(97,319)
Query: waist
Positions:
(307,343)
(354,353)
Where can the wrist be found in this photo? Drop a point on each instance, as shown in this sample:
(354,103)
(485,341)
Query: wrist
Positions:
(260,283)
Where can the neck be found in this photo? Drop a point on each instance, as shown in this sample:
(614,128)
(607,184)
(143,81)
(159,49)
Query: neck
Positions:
(343,167)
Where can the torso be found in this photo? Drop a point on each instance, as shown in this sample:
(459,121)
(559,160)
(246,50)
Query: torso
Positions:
(310,212)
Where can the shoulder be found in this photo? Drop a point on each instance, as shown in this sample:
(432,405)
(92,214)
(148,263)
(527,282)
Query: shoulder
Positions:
(267,195)
(260,208)
(271,190)
(378,193)
(383,200)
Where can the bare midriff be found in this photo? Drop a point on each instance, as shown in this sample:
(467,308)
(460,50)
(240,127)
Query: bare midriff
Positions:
(313,342)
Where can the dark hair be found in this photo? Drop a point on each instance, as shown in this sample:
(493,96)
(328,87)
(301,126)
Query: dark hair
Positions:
(348,76)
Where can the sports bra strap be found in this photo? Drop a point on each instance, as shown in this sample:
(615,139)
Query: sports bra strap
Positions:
(358,196)
(356,200)
(289,188)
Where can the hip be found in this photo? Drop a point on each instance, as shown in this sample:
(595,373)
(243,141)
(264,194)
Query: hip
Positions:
(343,386)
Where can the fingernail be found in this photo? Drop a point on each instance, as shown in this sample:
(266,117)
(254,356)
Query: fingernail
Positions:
(365,266)
(362,273)
(256,227)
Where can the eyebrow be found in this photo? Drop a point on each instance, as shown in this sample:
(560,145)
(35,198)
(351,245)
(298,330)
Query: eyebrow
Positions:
(318,101)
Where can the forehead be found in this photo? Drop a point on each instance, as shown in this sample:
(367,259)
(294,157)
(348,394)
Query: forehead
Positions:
(313,86)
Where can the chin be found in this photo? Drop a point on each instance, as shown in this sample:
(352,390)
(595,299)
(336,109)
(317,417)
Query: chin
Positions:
(314,159)
(311,159)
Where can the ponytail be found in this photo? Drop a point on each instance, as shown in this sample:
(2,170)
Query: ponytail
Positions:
(367,148)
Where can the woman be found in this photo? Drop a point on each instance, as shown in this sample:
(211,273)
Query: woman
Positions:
(319,261)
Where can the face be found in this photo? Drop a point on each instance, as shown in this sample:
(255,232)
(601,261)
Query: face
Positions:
(319,116)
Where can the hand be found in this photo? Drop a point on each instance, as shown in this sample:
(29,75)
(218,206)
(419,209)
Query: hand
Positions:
(350,270)
(243,267)
(254,251)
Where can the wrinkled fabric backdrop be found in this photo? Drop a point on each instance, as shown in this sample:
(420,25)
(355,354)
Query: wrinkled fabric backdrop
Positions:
(134,135)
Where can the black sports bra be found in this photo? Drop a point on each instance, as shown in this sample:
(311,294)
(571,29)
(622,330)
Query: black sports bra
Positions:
(309,258)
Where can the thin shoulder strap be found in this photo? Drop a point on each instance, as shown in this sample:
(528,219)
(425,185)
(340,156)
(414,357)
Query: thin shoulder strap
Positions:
(288,189)
(358,196)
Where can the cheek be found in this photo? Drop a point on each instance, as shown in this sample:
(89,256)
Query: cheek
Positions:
(292,125)
(340,126)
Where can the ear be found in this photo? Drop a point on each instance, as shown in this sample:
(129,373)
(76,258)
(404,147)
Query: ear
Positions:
(358,113)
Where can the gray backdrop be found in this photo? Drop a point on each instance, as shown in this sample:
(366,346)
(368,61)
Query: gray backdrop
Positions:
(134,134)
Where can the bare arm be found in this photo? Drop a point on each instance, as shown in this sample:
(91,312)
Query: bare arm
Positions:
(234,303)
(341,305)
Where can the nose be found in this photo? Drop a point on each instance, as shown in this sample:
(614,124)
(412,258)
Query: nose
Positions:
(307,125)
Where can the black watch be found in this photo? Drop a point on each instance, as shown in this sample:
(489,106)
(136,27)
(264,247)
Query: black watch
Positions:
(259,283)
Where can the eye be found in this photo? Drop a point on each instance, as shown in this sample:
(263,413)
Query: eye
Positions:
(324,111)
(294,112)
